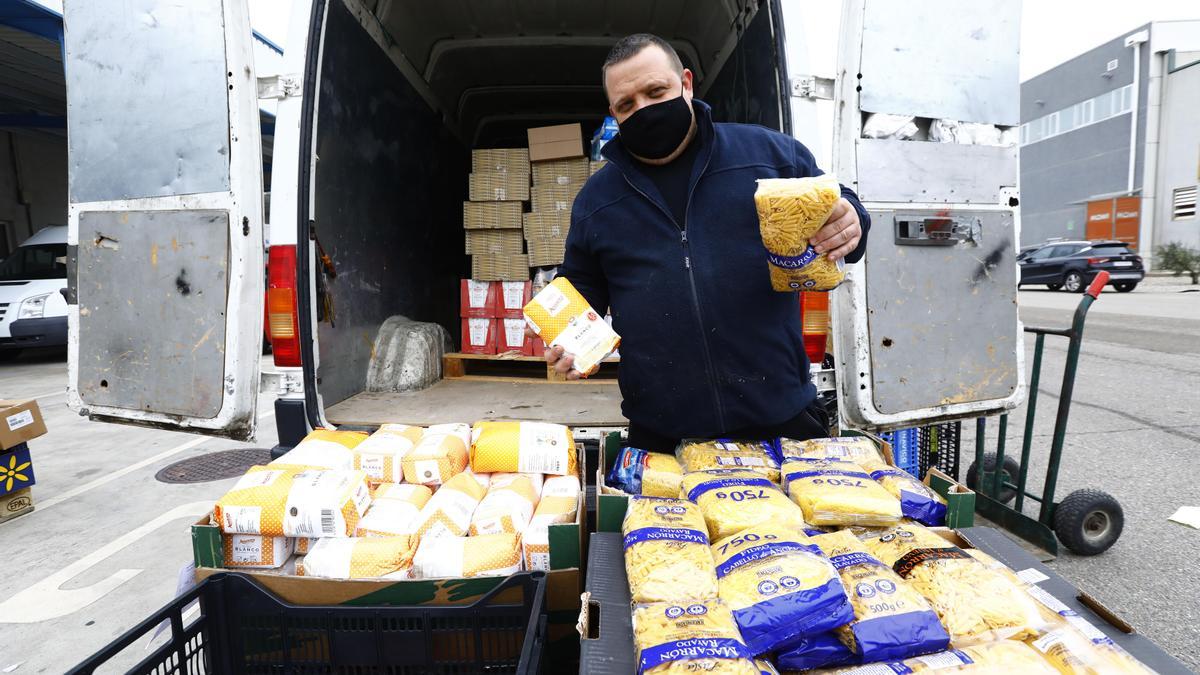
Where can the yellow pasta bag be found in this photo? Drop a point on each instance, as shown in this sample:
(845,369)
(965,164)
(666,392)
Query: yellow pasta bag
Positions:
(255,504)
(502,478)
(733,500)
(288,501)
(855,449)
(690,636)
(917,500)
(558,504)
(653,474)
(487,555)
(700,455)
(394,510)
(359,558)
(529,447)
(1003,657)
(666,551)
(790,210)
(255,550)
(441,454)
(323,449)
(778,586)
(505,508)
(448,512)
(303,544)
(380,455)
(563,318)
(975,604)
(836,493)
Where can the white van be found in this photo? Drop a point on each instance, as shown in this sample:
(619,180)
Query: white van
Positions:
(379,104)
(33,312)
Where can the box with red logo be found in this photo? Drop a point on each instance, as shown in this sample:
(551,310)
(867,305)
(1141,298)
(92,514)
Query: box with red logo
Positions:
(512,337)
(478,299)
(480,336)
(513,296)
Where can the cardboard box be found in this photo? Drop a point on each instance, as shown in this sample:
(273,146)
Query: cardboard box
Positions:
(561,171)
(538,347)
(20,421)
(555,142)
(492,215)
(498,186)
(547,252)
(16,469)
(546,224)
(511,160)
(550,198)
(514,295)
(512,337)
(16,503)
(479,336)
(478,299)
(495,242)
(500,267)
(595,165)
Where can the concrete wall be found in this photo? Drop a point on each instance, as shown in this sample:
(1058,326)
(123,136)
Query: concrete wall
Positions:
(1179,151)
(38,165)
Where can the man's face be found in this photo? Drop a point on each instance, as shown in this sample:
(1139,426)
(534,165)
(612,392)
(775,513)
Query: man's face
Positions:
(647,78)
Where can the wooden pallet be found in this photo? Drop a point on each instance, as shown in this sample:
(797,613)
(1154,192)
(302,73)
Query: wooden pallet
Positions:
(514,367)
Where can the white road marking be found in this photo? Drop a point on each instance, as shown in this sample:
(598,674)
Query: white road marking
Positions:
(46,600)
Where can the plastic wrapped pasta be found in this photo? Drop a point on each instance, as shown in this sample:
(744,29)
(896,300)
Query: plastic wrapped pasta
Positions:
(975,604)
(487,555)
(558,504)
(531,447)
(359,558)
(831,492)
(394,510)
(857,449)
(756,456)
(380,455)
(790,211)
(823,650)
(285,501)
(256,551)
(917,500)
(505,508)
(448,512)
(666,551)
(1002,657)
(690,636)
(563,318)
(778,586)
(765,667)
(732,500)
(441,454)
(502,478)
(653,474)
(323,449)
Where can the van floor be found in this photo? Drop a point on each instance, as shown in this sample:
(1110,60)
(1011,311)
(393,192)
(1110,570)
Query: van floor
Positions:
(465,400)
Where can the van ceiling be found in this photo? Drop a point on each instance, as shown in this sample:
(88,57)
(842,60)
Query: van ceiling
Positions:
(496,67)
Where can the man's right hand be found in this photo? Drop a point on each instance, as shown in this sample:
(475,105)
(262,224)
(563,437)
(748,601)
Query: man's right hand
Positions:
(563,363)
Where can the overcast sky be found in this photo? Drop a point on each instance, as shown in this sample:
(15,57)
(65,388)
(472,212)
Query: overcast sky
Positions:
(1052,31)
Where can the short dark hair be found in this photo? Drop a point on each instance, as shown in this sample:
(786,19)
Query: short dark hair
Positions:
(631,45)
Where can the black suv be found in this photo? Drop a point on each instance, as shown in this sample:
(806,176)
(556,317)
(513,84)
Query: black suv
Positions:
(1073,264)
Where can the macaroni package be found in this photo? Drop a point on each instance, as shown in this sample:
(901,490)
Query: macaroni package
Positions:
(441,454)
(732,500)
(323,449)
(790,210)
(756,456)
(638,472)
(558,504)
(1002,657)
(917,500)
(529,447)
(290,502)
(832,492)
(255,550)
(505,508)
(487,555)
(394,510)
(691,636)
(975,604)
(502,478)
(855,449)
(448,512)
(666,551)
(563,318)
(892,621)
(380,455)
(359,558)
(778,586)
(822,650)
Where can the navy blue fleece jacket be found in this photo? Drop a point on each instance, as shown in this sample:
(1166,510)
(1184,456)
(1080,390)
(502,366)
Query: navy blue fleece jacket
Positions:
(708,347)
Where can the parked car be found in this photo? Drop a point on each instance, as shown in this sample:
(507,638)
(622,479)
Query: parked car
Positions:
(32,311)
(1072,265)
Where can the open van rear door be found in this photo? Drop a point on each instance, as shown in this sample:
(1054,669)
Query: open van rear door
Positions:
(165,214)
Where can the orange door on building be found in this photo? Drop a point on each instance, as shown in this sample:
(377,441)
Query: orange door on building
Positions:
(1126,218)
(1099,219)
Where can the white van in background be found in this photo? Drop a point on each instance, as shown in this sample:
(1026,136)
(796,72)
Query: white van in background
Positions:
(33,312)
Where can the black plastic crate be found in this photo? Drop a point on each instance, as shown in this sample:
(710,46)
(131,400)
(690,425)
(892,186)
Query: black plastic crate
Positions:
(938,447)
(242,628)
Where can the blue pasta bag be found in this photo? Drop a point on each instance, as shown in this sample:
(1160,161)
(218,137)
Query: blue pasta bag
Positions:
(917,500)
(638,472)
(823,650)
(689,636)
(778,585)
(892,620)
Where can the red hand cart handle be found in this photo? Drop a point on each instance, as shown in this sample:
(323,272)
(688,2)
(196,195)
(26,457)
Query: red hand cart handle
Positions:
(1097,284)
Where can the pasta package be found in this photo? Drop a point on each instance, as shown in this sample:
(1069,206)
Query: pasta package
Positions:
(380,455)
(1002,657)
(975,604)
(394,510)
(778,586)
(697,636)
(323,449)
(359,558)
(638,472)
(666,551)
(502,478)
(558,504)
(448,512)
(563,318)
(790,211)
(255,550)
(855,449)
(756,456)
(255,504)
(892,621)
(837,493)
(291,502)
(487,555)
(822,650)
(505,508)
(732,500)
(527,447)
(301,545)
(440,455)
(917,500)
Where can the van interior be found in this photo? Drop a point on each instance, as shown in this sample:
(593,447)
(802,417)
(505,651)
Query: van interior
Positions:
(407,89)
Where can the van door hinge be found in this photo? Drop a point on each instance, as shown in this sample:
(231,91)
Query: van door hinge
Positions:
(278,86)
(811,86)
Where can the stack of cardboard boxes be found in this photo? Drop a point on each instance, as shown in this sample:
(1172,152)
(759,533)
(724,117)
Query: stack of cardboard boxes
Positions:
(499,185)
(20,422)
(559,171)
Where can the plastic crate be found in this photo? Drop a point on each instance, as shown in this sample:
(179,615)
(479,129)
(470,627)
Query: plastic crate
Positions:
(905,449)
(242,628)
(939,446)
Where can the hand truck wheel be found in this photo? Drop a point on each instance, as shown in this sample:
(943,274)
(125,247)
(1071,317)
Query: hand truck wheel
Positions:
(1010,470)
(1089,522)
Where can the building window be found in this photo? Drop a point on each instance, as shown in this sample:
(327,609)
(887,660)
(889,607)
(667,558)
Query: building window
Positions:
(1183,205)
(1105,106)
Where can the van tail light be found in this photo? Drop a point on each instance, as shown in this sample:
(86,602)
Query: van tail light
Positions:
(814,312)
(1096,261)
(283,323)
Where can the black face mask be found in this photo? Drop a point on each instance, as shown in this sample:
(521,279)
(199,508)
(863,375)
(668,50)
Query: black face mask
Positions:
(657,130)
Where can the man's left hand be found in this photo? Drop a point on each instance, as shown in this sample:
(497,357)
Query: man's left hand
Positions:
(840,233)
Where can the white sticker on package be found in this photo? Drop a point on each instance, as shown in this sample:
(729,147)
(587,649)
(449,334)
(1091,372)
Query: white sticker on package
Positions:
(439,557)
(588,338)
(514,333)
(372,465)
(247,548)
(478,330)
(945,660)
(313,505)
(428,470)
(1047,641)
(477,292)
(320,454)
(21,419)
(553,300)
(242,519)
(514,294)
(542,448)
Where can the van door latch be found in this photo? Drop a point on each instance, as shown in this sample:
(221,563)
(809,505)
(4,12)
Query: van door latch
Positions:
(278,86)
(811,86)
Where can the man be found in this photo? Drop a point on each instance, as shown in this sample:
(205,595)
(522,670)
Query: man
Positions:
(666,236)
